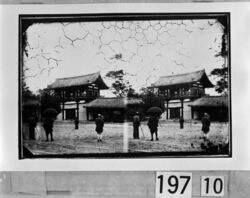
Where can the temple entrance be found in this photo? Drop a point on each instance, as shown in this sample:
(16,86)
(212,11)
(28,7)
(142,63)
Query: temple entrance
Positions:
(70,114)
(175,113)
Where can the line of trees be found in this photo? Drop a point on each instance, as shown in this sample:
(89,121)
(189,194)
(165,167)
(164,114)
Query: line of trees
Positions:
(122,88)
(35,104)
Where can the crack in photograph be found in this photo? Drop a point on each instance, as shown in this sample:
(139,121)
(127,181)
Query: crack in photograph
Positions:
(124,85)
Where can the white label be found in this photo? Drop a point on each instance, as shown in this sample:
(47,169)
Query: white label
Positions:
(173,185)
(212,186)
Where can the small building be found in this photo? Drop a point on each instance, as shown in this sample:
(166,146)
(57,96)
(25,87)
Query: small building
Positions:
(114,109)
(215,106)
(76,91)
(180,91)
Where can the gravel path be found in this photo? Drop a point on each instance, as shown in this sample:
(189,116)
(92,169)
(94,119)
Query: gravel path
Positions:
(118,138)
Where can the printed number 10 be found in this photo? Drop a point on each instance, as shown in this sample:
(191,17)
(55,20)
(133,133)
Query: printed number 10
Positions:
(212,186)
(215,189)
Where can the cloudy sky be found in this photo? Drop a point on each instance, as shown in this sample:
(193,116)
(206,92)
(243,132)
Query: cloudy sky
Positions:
(145,50)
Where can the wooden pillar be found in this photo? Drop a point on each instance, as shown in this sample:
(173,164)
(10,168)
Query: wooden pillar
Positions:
(76,93)
(182,108)
(77,109)
(62,110)
(192,112)
(167,111)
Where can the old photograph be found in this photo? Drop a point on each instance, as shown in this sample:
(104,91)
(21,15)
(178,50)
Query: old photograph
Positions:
(124,85)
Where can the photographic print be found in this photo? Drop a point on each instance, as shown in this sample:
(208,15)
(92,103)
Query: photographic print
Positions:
(124,85)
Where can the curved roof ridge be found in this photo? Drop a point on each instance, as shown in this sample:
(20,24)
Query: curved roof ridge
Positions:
(214,96)
(183,78)
(79,80)
(202,70)
(79,76)
(118,97)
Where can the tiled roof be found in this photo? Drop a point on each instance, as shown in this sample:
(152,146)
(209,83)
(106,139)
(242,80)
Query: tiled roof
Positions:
(113,102)
(79,81)
(211,101)
(197,76)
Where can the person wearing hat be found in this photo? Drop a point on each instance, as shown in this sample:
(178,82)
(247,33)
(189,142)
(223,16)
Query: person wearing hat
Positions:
(48,127)
(153,126)
(76,121)
(136,125)
(181,122)
(205,125)
(99,127)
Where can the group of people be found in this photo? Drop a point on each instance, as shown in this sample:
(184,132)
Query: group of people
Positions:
(47,125)
(152,125)
(49,122)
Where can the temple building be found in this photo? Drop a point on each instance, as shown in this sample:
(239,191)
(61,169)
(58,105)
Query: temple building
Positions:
(180,91)
(76,91)
(114,109)
(216,106)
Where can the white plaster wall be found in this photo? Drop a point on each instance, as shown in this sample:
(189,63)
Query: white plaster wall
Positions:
(186,108)
(163,115)
(196,115)
(59,117)
(72,105)
(187,111)
(82,113)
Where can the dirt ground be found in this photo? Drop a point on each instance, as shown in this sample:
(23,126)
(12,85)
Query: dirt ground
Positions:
(118,138)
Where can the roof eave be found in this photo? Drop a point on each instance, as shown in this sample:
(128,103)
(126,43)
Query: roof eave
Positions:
(207,83)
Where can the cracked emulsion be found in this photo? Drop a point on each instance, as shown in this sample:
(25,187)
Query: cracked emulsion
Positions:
(145,50)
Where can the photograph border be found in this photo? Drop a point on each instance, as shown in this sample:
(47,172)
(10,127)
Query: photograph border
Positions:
(25,20)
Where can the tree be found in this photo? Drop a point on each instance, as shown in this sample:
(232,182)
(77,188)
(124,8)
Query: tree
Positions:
(222,73)
(132,93)
(121,87)
(26,93)
(49,101)
(222,84)
(30,102)
(150,99)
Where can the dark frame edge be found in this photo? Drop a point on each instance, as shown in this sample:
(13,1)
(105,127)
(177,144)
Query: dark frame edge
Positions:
(110,16)
(20,64)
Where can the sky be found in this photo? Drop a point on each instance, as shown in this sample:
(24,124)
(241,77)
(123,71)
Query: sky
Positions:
(145,50)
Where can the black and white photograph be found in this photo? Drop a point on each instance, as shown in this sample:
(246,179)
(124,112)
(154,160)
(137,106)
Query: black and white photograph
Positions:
(125,85)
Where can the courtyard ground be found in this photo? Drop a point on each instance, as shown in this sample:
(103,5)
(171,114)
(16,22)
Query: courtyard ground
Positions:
(118,138)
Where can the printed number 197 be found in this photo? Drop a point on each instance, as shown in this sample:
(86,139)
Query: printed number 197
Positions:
(173,185)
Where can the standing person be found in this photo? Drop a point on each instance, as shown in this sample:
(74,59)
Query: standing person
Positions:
(32,125)
(181,122)
(205,125)
(136,124)
(99,127)
(76,122)
(48,127)
(153,126)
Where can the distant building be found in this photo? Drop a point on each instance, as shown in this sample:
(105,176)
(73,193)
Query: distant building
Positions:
(215,106)
(180,91)
(76,91)
(114,109)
